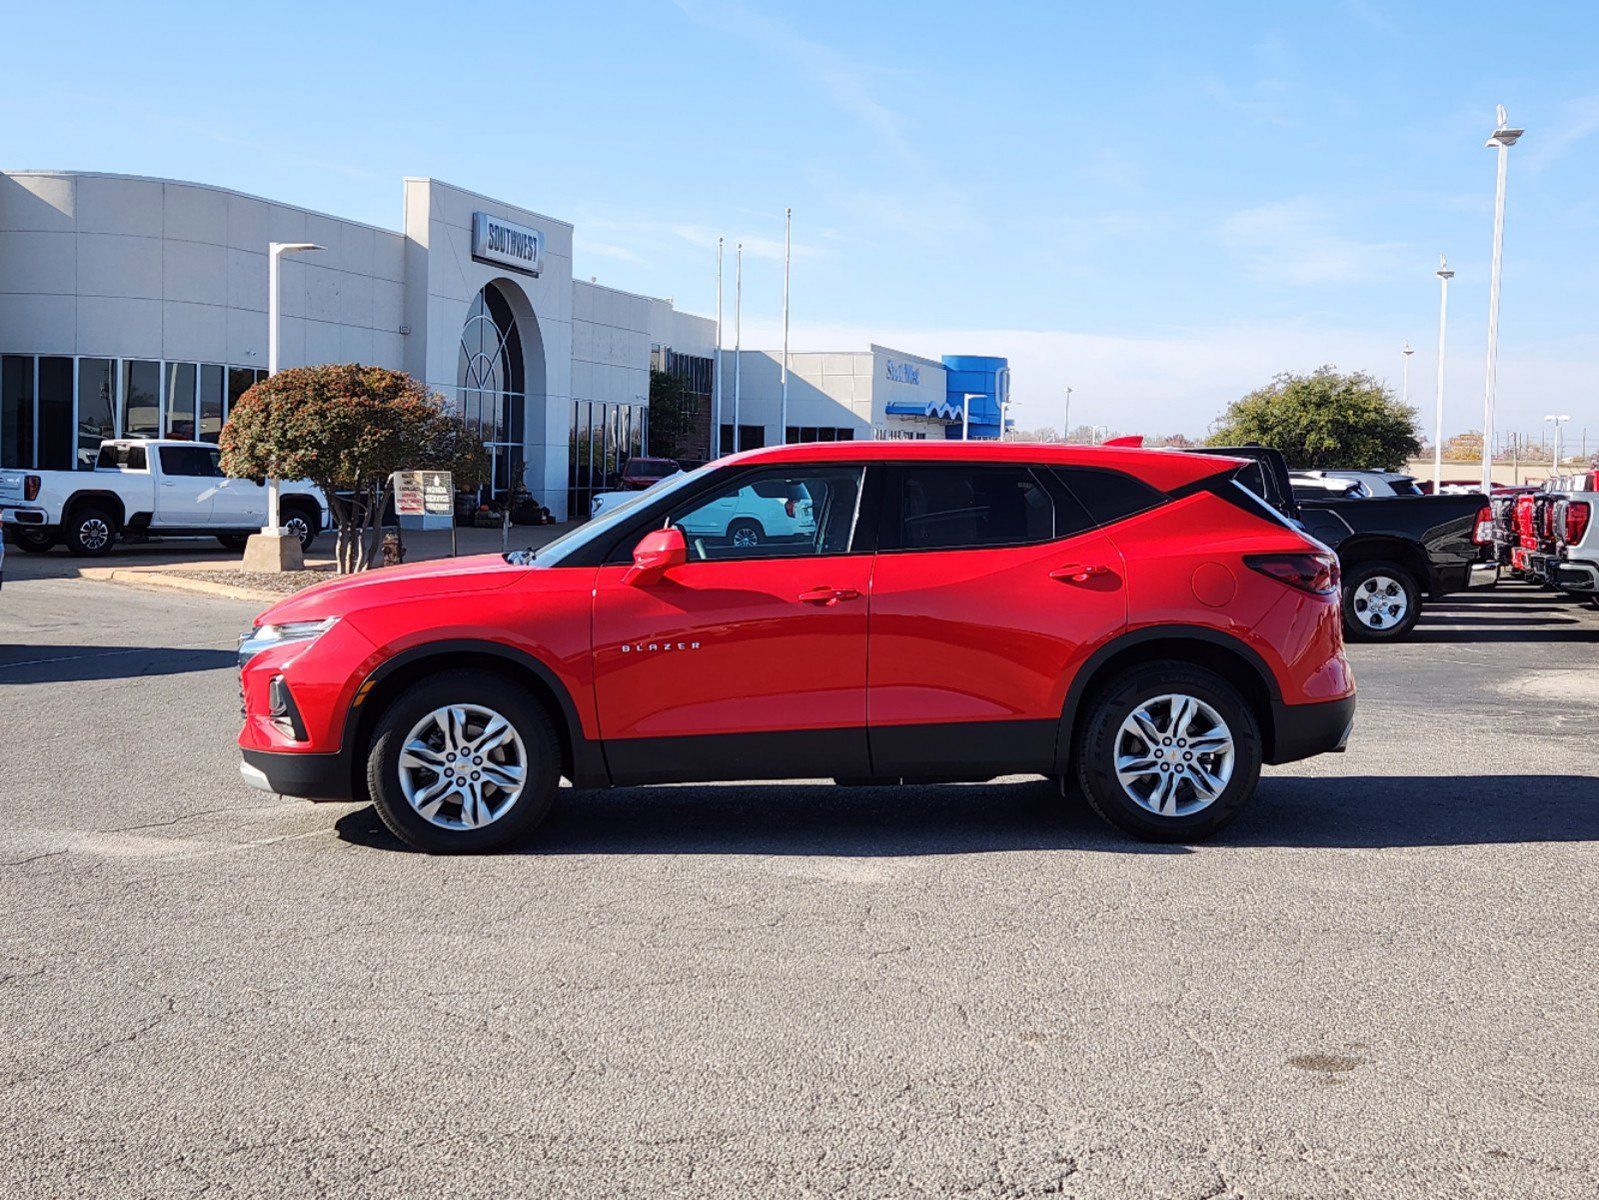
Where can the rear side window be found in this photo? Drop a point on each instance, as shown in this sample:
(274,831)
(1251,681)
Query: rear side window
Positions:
(193,461)
(1109,496)
(967,508)
(125,457)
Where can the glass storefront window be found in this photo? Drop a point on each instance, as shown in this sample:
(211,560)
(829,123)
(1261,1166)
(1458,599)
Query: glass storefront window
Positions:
(240,380)
(97,408)
(180,401)
(211,410)
(141,399)
(16,410)
(55,414)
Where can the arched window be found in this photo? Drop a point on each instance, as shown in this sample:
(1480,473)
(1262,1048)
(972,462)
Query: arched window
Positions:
(490,383)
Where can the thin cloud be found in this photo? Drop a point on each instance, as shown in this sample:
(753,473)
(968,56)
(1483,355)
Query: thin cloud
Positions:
(1579,121)
(1294,242)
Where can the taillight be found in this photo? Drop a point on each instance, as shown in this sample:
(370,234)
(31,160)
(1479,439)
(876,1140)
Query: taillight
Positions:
(1577,514)
(1483,535)
(788,507)
(1314,573)
(30,487)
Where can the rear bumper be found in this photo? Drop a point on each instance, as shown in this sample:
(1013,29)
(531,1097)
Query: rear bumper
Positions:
(1304,730)
(31,518)
(1576,577)
(311,776)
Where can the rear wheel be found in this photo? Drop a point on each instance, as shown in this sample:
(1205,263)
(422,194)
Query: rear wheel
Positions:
(90,532)
(34,541)
(1381,602)
(463,762)
(1168,752)
(745,534)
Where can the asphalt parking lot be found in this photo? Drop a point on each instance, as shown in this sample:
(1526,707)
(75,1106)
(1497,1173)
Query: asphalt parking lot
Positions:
(1380,982)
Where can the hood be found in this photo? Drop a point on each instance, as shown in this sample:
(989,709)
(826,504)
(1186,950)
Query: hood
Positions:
(349,593)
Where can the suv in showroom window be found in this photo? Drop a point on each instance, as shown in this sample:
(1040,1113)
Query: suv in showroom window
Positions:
(1133,622)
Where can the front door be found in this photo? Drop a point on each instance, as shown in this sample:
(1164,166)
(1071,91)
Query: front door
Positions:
(991,585)
(749,661)
(186,493)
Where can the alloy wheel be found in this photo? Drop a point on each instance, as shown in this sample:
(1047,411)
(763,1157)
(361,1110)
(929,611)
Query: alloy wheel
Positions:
(463,767)
(94,534)
(744,537)
(1380,602)
(1174,755)
(297,528)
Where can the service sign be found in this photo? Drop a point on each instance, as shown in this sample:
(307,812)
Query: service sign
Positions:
(509,245)
(424,494)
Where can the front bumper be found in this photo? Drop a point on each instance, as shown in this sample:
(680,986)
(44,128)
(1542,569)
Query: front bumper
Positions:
(310,776)
(1304,730)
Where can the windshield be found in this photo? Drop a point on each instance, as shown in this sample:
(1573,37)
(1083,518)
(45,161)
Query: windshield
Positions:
(557,551)
(651,468)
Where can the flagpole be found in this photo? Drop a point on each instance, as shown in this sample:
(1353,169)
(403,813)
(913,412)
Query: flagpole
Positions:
(714,450)
(788,255)
(738,341)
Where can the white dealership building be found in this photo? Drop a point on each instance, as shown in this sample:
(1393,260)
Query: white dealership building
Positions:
(132,306)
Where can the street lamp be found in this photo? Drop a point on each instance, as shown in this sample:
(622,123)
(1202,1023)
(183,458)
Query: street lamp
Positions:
(275,253)
(1444,276)
(1405,392)
(1502,138)
(1557,421)
(966,413)
(1066,425)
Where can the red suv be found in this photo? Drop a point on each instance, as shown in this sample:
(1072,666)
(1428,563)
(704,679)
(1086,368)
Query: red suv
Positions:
(1135,620)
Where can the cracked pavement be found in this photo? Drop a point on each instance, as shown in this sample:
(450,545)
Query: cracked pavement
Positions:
(1380,982)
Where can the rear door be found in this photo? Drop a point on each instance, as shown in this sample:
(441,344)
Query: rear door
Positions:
(992,584)
(186,493)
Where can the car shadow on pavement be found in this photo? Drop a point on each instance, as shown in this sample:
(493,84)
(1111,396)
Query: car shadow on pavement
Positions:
(65,664)
(1351,812)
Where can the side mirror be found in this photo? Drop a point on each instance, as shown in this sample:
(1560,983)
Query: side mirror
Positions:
(657,553)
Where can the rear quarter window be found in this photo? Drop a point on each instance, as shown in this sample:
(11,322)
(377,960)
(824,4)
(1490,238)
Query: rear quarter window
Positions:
(1109,496)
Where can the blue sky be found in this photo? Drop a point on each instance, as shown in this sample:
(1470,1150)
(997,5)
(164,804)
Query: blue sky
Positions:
(1159,204)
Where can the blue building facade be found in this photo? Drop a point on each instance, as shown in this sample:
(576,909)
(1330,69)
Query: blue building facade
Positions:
(987,381)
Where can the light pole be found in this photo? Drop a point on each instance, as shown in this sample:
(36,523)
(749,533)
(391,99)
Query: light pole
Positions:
(715,447)
(1444,276)
(270,550)
(1066,425)
(1405,386)
(1557,421)
(966,413)
(738,340)
(1502,138)
(788,255)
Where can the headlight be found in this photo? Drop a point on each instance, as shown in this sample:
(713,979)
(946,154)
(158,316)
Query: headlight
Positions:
(264,637)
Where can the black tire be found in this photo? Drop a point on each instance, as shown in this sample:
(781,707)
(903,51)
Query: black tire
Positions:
(1099,741)
(473,688)
(303,520)
(33,541)
(90,532)
(745,533)
(233,541)
(1369,595)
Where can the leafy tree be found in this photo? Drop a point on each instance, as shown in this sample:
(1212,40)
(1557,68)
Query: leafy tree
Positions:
(1464,447)
(1325,419)
(348,429)
(671,415)
(1047,434)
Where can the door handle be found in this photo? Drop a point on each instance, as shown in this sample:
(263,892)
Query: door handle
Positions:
(168,483)
(828,596)
(1077,573)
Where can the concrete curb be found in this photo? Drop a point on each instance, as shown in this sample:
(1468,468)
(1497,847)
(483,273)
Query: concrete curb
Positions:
(143,577)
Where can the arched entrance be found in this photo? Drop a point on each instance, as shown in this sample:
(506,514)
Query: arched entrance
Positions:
(500,365)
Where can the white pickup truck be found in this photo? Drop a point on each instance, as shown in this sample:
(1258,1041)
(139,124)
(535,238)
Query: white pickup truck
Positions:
(148,487)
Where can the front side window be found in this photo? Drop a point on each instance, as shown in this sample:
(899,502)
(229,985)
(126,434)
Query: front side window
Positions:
(785,512)
(968,508)
(193,461)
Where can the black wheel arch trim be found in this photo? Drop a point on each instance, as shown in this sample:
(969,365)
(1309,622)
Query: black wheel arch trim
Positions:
(1090,670)
(588,759)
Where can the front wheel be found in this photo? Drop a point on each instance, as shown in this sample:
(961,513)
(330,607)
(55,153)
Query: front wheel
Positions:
(233,541)
(1381,602)
(1168,752)
(463,762)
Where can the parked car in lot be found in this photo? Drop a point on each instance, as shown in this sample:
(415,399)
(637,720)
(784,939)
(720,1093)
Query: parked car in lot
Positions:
(1393,550)
(1133,620)
(639,472)
(1573,566)
(150,488)
(1355,483)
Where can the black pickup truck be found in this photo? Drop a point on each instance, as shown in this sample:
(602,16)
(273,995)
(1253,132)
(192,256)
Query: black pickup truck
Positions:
(1392,551)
